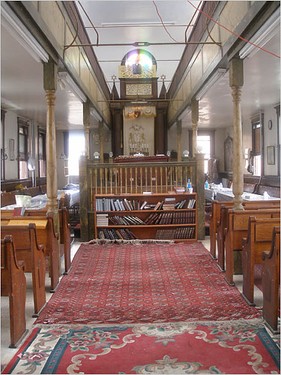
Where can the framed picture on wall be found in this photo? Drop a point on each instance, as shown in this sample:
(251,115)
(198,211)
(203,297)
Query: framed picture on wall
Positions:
(270,155)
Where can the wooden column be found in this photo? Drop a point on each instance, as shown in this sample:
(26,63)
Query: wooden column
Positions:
(236,82)
(86,122)
(194,119)
(160,133)
(179,140)
(117,133)
(50,86)
(200,195)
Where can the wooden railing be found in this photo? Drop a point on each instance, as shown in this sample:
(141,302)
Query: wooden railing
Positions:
(133,178)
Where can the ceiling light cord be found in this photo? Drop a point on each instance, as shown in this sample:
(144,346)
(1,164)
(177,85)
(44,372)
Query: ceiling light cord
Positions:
(232,32)
(190,23)
(165,28)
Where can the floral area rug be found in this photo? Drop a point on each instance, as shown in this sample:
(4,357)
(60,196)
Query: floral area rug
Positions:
(144,283)
(237,347)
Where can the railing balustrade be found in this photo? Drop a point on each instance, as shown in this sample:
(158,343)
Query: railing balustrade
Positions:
(134,178)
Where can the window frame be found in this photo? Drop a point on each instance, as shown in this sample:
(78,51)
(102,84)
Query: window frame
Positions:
(42,158)
(257,125)
(23,156)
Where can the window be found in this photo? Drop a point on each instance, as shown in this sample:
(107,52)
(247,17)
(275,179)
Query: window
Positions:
(139,60)
(22,149)
(256,151)
(76,149)
(41,153)
(204,146)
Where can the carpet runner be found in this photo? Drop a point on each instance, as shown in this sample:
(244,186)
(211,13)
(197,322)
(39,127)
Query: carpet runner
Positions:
(237,347)
(125,283)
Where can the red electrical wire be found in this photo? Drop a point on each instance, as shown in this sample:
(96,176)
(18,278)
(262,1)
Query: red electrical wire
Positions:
(163,22)
(233,33)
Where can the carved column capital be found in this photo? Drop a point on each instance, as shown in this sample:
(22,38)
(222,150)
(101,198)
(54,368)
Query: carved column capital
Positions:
(236,94)
(50,96)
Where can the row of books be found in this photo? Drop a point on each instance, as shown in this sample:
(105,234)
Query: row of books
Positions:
(111,204)
(116,234)
(186,217)
(126,220)
(161,234)
(179,233)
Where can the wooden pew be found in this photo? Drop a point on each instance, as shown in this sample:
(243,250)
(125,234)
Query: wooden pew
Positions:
(13,285)
(215,218)
(65,230)
(221,230)
(216,212)
(258,240)
(271,282)
(237,228)
(46,235)
(223,220)
(65,237)
(65,233)
(32,254)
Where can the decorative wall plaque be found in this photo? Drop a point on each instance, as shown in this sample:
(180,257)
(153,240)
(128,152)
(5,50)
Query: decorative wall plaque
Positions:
(140,89)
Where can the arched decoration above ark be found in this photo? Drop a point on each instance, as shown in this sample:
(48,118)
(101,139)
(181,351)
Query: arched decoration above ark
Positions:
(138,63)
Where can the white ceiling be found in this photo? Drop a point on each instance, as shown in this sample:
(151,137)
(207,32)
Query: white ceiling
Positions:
(163,24)
(22,77)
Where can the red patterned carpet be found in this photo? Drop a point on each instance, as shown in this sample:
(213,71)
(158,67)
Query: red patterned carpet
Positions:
(125,283)
(237,347)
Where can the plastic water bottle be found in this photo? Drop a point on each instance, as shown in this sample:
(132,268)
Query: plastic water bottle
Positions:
(206,184)
(189,186)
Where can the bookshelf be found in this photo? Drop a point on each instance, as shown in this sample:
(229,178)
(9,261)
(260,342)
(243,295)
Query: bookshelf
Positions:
(171,216)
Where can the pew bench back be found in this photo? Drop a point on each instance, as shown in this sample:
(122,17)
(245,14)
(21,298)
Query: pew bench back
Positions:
(271,282)
(237,228)
(13,285)
(259,238)
(45,232)
(215,219)
(32,254)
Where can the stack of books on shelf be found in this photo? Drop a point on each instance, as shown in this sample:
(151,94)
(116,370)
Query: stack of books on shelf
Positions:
(179,189)
(169,203)
(102,220)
